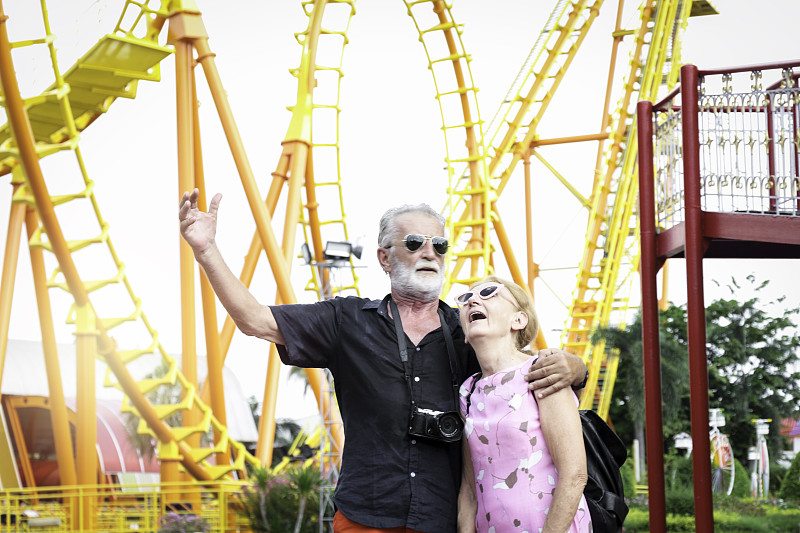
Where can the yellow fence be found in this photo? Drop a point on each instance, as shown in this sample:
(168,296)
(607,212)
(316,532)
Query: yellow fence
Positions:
(118,508)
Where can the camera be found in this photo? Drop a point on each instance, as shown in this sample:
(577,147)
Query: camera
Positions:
(445,426)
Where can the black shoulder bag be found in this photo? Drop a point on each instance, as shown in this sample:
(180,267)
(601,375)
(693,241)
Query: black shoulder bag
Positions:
(605,454)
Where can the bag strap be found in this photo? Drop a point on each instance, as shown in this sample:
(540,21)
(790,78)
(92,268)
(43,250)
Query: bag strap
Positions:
(615,503)
(455,367)
(475,378)
(401,346)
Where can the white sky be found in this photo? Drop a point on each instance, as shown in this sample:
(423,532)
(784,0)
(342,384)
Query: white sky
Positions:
(392,146)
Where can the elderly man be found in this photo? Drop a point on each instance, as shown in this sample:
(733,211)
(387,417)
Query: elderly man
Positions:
(396,363)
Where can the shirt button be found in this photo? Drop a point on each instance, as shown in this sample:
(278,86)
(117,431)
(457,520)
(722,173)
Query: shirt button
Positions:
(413,441)
(413,474)
(416,378)
(417,348)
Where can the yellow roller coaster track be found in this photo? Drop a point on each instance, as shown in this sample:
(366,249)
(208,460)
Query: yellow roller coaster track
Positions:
(324,200)
(471,212)
(50,124)
(112,69)
(610,258)
(521,109)
(456,95)
(510,135)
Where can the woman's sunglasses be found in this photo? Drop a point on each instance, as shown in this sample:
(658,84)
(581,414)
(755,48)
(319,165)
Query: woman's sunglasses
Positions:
(415,241)
(489,291)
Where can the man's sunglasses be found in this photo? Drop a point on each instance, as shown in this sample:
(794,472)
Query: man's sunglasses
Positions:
(489,291)
(415,241)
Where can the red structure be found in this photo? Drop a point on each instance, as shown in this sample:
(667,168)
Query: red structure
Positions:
(718,177)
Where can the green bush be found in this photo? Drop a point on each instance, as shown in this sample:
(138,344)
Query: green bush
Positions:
(776,475)
(783,519)
(774,520)
(790,488)
(731,515)
(680,501)
(628,478)
(742,506)
(731,521)
(741,481)
(637,520)
(680,523)
(677,472)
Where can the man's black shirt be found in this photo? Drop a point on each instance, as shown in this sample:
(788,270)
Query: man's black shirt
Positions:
(388,479)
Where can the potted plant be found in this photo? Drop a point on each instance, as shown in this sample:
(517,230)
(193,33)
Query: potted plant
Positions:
(173,522)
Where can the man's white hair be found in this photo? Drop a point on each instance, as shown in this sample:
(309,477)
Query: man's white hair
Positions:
(387,232)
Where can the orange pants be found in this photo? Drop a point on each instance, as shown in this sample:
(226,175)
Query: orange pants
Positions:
(342,524)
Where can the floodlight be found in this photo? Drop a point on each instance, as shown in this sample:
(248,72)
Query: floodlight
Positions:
(306,252)
(338,250)
(357,248)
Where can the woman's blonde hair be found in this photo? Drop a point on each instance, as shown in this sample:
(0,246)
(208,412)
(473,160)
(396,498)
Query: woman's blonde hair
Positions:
(526,335)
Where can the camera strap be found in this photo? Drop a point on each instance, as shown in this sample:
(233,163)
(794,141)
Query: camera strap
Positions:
(401,345)
(455,367)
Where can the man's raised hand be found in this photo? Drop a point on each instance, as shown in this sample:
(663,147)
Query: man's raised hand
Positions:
(198,228)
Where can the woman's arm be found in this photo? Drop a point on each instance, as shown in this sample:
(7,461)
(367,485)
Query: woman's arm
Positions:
(467,500)
(561,426)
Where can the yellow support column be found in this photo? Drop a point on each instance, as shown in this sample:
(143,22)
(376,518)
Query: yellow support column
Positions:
(28,157)
(183,84)
(15,219)
(262,218)
(184,104)
(23,134)
(214,357)
(266,424)
(86,407)
(58,407)
(169,456)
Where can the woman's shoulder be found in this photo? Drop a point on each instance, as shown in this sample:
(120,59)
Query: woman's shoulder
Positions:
(524,365)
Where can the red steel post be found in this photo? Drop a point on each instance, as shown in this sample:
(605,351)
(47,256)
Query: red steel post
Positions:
(795,179)
(654,433)
(696,318)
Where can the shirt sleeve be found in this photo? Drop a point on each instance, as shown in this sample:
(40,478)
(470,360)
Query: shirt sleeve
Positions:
(310,333)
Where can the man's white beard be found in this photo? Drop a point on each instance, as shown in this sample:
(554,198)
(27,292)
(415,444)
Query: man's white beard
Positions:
(425,287)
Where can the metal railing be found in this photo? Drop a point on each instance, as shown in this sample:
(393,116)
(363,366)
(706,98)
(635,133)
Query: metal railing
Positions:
(749,145)
(122,508)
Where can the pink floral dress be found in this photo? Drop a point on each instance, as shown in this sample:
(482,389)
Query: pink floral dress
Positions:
(514,472)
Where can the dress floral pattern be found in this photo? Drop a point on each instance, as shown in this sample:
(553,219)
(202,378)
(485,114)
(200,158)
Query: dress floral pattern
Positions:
(514,472)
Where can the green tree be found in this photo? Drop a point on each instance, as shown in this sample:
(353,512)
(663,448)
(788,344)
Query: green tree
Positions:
(790,488)
(627,409)
(277,503)
(286,431)
(166,394)
(751,355)
(306,481)
(255,409)
(750,359)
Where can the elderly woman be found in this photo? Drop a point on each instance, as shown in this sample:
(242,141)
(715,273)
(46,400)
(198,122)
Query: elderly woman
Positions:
(524,460)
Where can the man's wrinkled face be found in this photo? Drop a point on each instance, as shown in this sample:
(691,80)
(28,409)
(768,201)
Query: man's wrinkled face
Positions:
(417,274)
